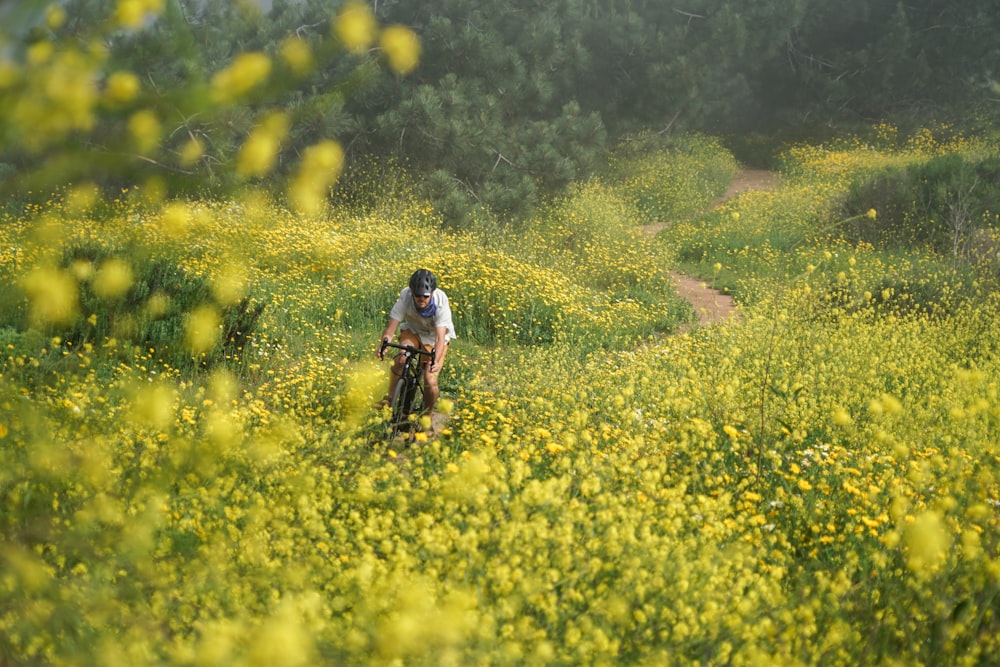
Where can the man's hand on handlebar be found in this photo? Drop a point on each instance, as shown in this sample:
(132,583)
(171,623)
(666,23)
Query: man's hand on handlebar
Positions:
(410,350)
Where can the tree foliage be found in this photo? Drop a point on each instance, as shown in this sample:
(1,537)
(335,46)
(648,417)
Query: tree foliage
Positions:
(871,59)
(511,99)
(177,95)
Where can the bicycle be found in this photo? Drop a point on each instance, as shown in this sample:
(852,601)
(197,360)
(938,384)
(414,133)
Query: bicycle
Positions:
(407,398)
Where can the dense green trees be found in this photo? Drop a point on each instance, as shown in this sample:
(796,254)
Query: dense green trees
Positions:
(869,59)
(491,116)
(512,98)
(710,65)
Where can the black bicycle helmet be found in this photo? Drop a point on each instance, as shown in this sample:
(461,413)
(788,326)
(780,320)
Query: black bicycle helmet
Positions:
(422,283)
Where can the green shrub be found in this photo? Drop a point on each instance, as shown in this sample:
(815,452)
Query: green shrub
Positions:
(669,178)
(152,310)
(938,204)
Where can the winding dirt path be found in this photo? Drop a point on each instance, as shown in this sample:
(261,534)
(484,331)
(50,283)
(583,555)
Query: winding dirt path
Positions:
(712,306)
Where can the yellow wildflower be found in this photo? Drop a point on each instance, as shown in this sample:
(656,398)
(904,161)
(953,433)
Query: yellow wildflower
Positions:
(260,150)
(145,129)
(297,55)
(121,87)
(191,152)
(842,417)
(9,74)
(320,167)
(891,404)
(53,294)
(247,71)
(113,279)
(401,47)
(229,285)
(55,17)
(355,26)
(175,217)
(130,14)
(927,543)
(202,329)
(153,405)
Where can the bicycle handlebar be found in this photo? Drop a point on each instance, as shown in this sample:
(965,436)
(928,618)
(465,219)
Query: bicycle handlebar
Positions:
(407,348)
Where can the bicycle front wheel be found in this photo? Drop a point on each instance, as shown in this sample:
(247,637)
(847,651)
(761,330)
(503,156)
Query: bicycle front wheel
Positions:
(402,398)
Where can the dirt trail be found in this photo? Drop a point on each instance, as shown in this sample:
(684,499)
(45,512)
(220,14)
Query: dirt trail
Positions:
(712,305)
(748,179)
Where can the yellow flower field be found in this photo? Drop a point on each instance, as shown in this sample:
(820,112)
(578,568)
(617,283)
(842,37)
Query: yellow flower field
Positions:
(815,483)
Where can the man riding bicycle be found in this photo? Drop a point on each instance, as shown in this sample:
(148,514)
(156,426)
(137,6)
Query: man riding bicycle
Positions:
(423,317)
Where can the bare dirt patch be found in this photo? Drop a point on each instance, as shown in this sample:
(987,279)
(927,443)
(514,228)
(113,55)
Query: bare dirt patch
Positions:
(711,305)
(748,179)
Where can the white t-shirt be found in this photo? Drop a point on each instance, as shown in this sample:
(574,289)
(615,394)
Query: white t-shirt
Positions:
(425,327)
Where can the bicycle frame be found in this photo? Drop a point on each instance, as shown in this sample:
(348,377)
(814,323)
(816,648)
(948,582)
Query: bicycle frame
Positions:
(407,395)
